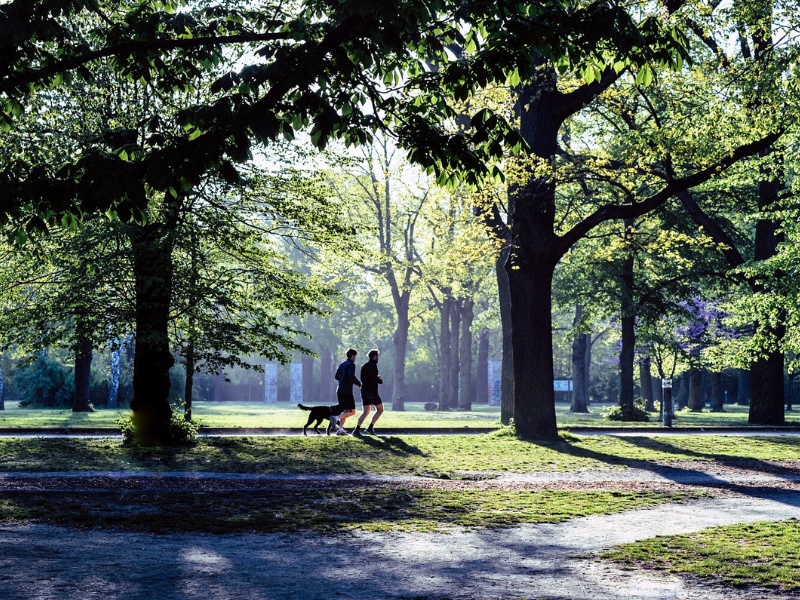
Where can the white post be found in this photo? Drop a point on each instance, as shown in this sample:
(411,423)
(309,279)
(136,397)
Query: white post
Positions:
(270,383)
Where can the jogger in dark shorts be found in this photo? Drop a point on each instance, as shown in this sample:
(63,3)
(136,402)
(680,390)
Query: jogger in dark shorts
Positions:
(346,376)
(370,380)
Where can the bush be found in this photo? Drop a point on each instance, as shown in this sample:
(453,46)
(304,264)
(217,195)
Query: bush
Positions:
(181,431)
(628,414)
(43,382)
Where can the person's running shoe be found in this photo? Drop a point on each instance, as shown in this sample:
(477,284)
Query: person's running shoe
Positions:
(357,432)
(370,431)
(341,431)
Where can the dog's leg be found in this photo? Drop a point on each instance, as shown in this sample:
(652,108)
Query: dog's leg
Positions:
(310,419)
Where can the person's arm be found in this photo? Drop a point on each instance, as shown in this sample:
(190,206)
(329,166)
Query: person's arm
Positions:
(352,375)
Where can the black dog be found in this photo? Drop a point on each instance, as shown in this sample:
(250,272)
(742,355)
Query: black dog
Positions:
(319,414)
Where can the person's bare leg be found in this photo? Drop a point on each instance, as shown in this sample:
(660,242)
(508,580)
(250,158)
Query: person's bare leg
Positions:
(364,415)
(378,413)
(344,415)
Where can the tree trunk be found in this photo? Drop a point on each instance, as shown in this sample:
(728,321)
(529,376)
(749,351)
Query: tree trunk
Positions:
(400,346)
(152,269)
(766,391)
(507,365)
(627,319)
(717,398)
(482,369)
(646,382)
(680,392)
(2,398)
(695,384)
(467,386)
(588,367)
(743,388)
(580,398)
(534,254)
(83,365)
(444,358)
(455,340)
(534,398)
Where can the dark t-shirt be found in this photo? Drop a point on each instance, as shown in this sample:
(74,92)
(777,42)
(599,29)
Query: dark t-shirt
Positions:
(346,376)
(369,378)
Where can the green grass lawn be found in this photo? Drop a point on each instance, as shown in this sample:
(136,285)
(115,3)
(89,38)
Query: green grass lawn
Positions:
(252,414)
(367,509)
(459,456)
(758,553)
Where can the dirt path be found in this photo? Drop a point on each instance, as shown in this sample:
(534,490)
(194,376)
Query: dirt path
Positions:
(543,561)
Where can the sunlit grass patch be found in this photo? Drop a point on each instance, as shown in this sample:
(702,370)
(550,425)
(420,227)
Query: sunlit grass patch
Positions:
(286,415)
(766,554)
(411,510)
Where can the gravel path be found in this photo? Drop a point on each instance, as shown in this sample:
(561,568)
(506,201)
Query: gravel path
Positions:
(553,561)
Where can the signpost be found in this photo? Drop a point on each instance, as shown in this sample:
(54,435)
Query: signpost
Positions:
(666,402)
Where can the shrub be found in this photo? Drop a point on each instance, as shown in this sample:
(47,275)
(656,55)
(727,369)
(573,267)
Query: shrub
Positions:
(625,413)
(43,382)
(181,431)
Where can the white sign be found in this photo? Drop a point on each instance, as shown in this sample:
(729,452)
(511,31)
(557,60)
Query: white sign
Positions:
(270,383)
(296,384)
(495,382)
(562,385)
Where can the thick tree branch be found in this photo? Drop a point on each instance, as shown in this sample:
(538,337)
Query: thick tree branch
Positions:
(712,228)
(673,188)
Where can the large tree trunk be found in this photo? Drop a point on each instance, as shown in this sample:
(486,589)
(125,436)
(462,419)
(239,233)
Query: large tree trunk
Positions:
(766,391)
(580,397)
(533,257)
(83,365)
(152,269)
(400,346)
(507,366)
(646,383)
(467,385)
(455,341)
(444,352)
(482,369)
(695,389)
(743,387)
(627,319)
(534,398)
(766,384)
(717,398)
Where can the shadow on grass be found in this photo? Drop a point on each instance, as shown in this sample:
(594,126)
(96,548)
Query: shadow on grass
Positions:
(392,444)
(687,476)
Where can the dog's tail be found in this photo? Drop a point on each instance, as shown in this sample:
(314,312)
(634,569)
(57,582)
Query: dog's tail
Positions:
(301,407)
